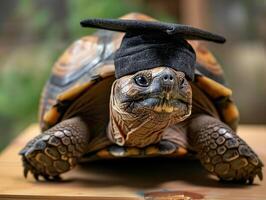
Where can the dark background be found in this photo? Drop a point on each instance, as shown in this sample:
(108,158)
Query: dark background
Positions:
(33,33)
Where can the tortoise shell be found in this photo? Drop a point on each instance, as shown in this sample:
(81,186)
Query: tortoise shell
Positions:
(86,67)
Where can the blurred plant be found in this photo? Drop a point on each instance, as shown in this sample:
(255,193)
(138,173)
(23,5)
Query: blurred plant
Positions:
(21,80)
(79,10)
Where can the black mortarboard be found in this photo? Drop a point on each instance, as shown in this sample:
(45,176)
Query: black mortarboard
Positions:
(149,44)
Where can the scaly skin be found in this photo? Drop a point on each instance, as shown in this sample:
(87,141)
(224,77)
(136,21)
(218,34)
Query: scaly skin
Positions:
(222,152)
(55,151)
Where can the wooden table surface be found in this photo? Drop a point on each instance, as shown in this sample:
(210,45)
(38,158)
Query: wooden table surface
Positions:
(131,179)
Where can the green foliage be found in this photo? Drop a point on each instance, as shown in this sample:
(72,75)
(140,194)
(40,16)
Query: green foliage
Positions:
(79,10)
(21,80)
(37,19)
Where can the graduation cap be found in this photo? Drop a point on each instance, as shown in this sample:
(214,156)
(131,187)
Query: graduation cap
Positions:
(149,44)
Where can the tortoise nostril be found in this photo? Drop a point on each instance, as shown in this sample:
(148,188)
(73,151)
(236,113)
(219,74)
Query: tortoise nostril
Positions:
(167,80)
(168,77)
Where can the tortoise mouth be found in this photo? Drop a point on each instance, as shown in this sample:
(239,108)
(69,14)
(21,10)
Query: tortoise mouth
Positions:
(164,105)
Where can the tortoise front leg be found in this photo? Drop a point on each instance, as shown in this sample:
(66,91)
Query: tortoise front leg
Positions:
(222,152)
(57,150)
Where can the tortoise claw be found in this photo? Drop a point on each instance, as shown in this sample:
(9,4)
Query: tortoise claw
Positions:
(36,177)
(25,172)
(260,175)
(227,155)
(56,178)
(28,164)
(29,168)
(250,180)
(55,151)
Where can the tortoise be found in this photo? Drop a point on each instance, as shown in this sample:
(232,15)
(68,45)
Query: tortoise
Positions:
(106,102)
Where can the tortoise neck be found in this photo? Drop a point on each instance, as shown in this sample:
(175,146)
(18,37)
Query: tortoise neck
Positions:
(128,129)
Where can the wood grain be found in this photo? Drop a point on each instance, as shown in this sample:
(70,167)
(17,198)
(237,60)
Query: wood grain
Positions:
(128,179)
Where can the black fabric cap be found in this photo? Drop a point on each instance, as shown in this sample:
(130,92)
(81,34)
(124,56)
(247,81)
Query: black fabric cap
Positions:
(178,30)
(149,44)
(145,51)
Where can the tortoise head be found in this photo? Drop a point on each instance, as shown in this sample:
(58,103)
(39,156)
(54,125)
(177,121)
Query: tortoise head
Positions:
(161,92)
(149,100)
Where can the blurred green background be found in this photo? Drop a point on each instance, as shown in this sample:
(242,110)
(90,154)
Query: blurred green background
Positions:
(33,34)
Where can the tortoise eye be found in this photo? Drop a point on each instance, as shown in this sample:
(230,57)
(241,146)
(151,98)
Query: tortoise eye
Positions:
(142,80)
